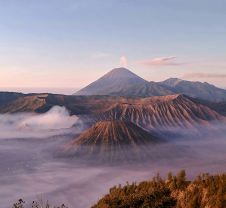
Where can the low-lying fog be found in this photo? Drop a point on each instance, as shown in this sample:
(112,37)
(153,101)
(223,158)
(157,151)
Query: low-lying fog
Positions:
(56,121)
(28,166)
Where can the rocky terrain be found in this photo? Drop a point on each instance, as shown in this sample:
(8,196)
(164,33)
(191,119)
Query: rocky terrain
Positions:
(167,117)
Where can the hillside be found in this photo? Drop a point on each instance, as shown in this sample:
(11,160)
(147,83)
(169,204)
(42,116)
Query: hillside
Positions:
(121,82)
(77,105)
(115,79)
(167,117)
(112,142)
(6,97)
(199,90)
(206,191)
(172,86)
(144,90)
(170,82)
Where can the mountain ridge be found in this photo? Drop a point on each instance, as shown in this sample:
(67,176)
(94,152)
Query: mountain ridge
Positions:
(166,117)
(121,82)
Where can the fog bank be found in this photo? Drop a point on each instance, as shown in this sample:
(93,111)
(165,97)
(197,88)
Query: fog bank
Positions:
(26,125)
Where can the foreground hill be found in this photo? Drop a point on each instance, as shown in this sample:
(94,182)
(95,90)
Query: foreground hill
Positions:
(206,191)
(115,79)
(112,142)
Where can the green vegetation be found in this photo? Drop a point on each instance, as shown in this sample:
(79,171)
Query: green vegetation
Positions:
(206,191)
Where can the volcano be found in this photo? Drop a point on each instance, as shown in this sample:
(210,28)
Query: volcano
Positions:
(112,142)
(112,81)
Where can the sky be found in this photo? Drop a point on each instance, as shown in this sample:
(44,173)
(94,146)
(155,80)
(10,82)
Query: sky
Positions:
(64,45)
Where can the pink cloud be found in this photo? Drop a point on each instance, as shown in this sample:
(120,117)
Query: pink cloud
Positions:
(203,75)
(164,61)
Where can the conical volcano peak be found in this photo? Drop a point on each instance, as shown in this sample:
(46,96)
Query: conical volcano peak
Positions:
(120,73)
(114,132)
(112,142)
(112,81)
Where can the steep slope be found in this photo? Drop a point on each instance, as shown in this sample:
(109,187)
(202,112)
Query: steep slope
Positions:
(218,107)
(113,80)
(145,90)
(112,142)
(168,117)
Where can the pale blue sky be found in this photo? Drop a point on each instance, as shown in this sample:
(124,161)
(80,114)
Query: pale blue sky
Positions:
(68,44)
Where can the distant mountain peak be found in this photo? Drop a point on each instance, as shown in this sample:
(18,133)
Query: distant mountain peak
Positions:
(171,81)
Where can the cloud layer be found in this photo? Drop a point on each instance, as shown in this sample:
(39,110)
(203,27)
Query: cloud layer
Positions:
(164,61)
(57,120)
(203,75)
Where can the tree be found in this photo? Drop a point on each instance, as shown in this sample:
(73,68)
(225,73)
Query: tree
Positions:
(169,176)
(220,202)
(181,180)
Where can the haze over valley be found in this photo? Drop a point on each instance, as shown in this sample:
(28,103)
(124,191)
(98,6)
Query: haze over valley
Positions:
(112,104)
(71,142)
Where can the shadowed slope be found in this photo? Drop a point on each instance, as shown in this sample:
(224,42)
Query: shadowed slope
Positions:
(6,97)
(23,104)
(112,142)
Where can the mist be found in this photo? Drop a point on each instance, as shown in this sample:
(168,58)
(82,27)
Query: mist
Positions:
(29,164)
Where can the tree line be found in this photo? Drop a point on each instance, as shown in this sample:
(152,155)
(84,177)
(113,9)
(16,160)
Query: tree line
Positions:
(206,191)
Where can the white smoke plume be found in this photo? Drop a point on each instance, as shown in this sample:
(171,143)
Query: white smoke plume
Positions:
(26,125)
(124,61)
(56,118)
